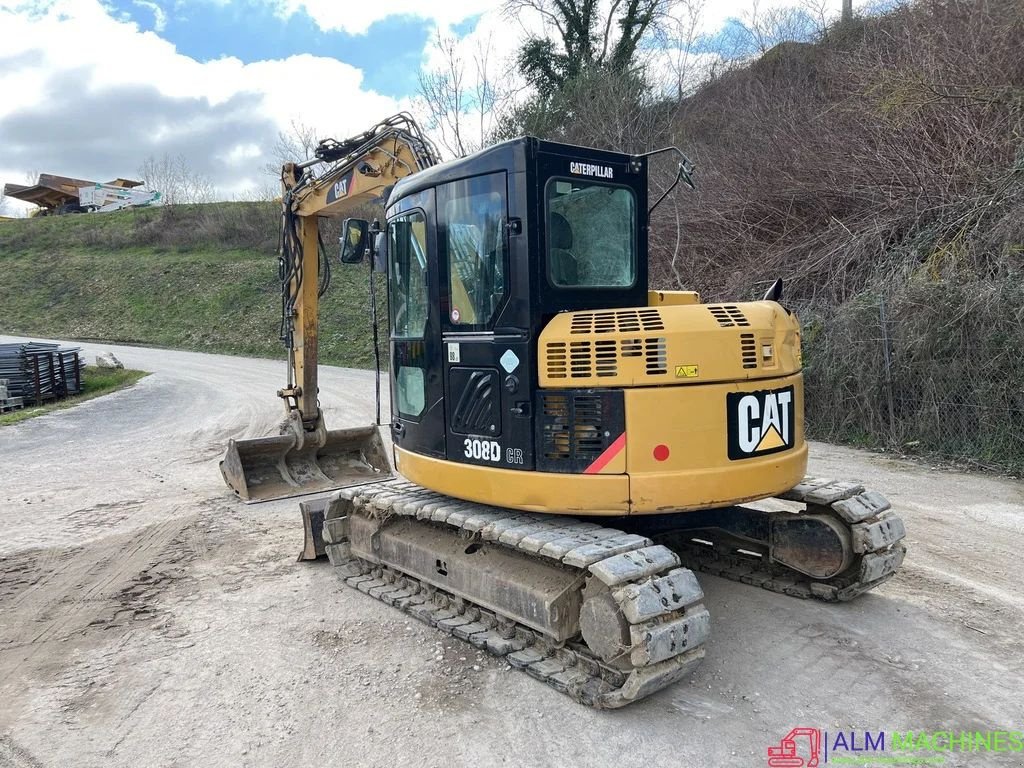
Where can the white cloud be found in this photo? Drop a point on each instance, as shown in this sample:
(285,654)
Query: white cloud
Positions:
(356,18)
(88,95)
(159,16)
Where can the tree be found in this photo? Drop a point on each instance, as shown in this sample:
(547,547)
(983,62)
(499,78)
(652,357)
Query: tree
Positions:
(761,29)
(678,36)
(588,77)
(588,35)
(175,180)
(462,99)
(298,143)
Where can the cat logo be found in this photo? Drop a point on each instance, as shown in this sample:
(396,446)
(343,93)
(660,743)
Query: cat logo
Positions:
(339,190)
(760,423)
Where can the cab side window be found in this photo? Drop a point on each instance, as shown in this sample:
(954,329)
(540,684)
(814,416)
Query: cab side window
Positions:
(407,256)
(472,214)
(407,252)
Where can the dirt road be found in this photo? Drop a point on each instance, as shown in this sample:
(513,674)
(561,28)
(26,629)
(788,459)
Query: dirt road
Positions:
(148,619)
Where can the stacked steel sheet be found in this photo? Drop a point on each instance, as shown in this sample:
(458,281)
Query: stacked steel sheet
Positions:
(37,371)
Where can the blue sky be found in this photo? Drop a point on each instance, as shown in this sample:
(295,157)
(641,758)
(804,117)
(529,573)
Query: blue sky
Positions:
(389,53)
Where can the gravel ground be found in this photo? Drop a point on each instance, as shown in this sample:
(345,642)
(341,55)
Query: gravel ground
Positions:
(149,619)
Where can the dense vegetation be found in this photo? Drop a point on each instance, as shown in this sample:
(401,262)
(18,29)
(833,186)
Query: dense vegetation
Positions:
(878,169)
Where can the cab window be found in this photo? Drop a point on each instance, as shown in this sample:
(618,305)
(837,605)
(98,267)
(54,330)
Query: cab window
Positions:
(591,230)
(473,217)
(407,254)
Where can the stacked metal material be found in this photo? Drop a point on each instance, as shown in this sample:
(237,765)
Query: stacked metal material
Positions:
(37,371)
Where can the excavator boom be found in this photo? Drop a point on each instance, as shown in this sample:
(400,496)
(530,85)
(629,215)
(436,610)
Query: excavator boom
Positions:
(343,176)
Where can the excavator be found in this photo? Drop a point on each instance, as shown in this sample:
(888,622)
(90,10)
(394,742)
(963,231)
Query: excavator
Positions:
(569,445)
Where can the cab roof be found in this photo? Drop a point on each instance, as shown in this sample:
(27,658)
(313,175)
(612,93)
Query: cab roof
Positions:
(512,156)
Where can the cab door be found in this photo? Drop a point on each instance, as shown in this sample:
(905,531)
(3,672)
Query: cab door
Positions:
(488,351)
(417,387)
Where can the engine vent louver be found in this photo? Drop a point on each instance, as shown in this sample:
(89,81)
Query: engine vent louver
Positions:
(729,315)
(576,426)
(606,358)
(600,357)
(572,427)
(581,363)
(632,347)
(748,350)
(556,361)
(617,321)
(655,356)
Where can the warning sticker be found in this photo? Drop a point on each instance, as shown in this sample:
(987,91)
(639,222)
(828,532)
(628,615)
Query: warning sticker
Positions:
(686,371)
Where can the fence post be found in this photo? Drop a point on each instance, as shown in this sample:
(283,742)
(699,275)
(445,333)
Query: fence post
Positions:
(887,356)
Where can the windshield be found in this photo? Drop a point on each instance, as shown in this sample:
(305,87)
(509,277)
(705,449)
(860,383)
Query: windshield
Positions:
(591,234)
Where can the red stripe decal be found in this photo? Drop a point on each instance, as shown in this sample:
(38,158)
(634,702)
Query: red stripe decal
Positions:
(609,453)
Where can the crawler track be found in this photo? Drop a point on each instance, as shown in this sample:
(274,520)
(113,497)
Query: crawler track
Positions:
(875,532)
(645,610)
(641,625)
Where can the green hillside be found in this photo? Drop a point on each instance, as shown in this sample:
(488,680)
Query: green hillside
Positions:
(201,277)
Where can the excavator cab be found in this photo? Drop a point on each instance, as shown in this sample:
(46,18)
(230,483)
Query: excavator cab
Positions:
(532,367)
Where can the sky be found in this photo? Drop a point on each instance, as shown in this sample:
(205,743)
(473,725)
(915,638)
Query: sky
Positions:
(92,88)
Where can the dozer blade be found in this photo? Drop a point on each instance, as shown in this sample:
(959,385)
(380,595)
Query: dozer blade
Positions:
(265,468)
(313,544)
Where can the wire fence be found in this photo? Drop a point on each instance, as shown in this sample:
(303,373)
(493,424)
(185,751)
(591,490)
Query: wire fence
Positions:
(935,369)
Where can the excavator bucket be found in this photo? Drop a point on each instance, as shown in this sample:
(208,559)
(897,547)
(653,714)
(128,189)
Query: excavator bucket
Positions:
(264,468)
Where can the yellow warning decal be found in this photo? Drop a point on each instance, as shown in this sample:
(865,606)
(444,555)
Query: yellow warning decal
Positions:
(686,371)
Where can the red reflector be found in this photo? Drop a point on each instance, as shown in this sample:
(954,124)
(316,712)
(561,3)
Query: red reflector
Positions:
(660,452)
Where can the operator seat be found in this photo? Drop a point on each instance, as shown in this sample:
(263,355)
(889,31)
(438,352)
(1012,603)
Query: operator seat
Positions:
(564,266)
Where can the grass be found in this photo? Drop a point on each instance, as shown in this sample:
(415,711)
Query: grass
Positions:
(95,382)
(200,277)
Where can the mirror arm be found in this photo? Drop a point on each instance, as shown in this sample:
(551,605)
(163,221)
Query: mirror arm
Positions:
(371,246)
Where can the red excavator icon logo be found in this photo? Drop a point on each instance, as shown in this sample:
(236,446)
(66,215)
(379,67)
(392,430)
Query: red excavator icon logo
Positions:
(786,755)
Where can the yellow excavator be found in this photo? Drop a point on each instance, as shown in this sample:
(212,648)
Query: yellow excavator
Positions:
(571,445)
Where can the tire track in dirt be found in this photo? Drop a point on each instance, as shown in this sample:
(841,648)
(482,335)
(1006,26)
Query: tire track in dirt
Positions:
(50,599)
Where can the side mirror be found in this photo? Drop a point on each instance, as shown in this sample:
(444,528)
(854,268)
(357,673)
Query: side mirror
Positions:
(353,240)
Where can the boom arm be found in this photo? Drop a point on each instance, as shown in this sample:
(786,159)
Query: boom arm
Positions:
(343,176)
